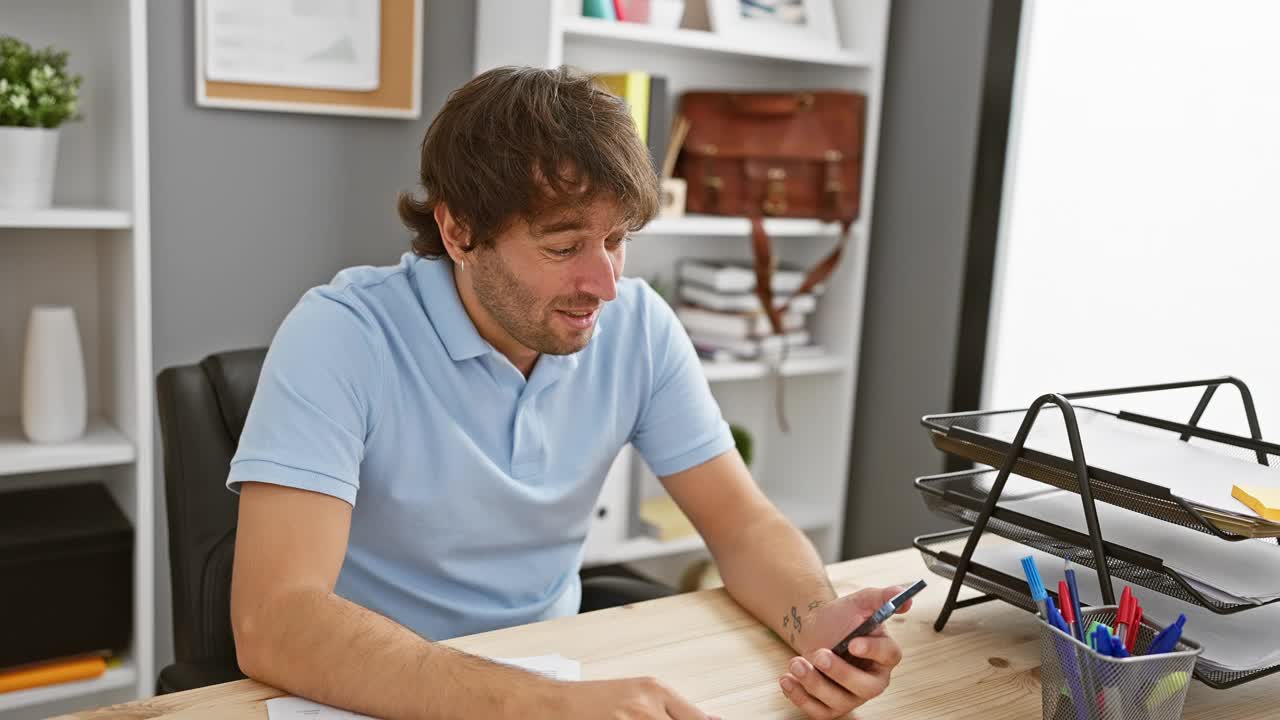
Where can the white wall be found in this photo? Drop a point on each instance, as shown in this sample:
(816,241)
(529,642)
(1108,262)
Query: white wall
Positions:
(1141,240)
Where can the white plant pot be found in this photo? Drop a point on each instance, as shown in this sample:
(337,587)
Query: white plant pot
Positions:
(54,401)
(28,157)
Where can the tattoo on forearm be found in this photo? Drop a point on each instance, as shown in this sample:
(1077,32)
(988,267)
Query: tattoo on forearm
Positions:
(793,621)
(813,605)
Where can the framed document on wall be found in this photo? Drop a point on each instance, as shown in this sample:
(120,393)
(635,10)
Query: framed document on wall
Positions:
(340,57)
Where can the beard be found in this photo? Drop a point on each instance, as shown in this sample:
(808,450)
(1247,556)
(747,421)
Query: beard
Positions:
(518,310)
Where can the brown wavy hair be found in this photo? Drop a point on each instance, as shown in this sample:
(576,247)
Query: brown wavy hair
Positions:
(515,142)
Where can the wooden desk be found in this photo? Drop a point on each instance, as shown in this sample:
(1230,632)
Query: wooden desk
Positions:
(984,666)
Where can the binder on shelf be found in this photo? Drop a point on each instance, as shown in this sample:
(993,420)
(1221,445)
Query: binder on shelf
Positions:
(633,87)
(659,124)
(1132,469)
(611,518)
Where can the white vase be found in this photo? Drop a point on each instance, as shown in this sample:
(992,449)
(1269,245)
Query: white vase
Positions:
(28,157)
(54,402)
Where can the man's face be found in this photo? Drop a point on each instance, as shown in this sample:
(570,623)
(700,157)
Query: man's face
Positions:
(545,282)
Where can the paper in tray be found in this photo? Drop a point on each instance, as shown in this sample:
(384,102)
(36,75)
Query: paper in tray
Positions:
(1147,552)
(1161,467)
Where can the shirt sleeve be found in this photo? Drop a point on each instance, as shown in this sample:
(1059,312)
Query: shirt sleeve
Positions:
(314,404)
(680,426)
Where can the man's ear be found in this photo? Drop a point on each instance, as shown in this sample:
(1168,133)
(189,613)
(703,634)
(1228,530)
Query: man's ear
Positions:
(457,241)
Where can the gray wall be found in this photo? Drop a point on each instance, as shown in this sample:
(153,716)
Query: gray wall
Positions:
(249,209)
(933,89)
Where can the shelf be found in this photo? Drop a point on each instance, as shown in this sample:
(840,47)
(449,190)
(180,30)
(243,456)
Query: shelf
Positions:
(726,226)
(804,516)
(962,495)
(101,445)
(986,437)
(608,30)
(66,218)
(719,371)
(117,678)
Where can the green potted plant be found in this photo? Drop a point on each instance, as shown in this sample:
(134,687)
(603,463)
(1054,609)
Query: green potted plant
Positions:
(37,95)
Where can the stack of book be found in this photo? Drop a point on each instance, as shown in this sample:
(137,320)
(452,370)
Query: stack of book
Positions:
(720,310)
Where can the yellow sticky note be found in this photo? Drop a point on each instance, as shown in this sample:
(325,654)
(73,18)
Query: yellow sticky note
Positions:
(1264,501)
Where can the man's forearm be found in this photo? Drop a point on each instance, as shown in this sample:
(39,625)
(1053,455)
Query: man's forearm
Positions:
(320,646)
(771,569)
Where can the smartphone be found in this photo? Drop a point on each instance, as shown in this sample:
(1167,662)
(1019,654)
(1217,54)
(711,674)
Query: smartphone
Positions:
(841,649)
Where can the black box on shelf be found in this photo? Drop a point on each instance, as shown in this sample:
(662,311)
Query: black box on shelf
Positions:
(66,573)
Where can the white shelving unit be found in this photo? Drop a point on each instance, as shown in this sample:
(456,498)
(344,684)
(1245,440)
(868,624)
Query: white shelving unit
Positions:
(810,516)
(722,226)
(114,679)
(101,445)
(91,251)
(67,218)
(701,41)
(718,372)
(805,472)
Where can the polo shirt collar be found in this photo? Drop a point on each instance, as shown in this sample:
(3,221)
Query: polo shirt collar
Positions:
(450,319)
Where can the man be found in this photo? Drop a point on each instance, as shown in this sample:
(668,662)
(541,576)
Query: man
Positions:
(427,440)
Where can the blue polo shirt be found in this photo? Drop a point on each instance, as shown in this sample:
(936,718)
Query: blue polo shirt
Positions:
(471,487)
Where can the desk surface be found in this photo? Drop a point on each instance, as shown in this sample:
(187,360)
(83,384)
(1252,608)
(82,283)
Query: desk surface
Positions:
(985,665)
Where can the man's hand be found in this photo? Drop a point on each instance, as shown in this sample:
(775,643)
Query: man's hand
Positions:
(825,686)
(630,699)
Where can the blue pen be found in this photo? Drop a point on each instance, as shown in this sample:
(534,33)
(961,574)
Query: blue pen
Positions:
(1067,658)
(1055,617)
(1104,640)
(1075,600)
(1168,638)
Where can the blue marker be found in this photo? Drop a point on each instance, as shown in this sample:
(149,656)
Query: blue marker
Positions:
(1038,593)
(1167,640)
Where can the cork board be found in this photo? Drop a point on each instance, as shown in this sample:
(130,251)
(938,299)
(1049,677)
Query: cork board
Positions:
(398,94)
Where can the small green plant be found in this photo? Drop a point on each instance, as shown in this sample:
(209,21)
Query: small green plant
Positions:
(35,89)
(665,291)
(742,440)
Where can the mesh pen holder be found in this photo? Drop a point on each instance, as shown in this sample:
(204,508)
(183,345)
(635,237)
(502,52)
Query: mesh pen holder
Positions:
(1077,683)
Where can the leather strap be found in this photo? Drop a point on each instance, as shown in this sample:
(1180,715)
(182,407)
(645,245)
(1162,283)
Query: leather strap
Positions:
(762,249)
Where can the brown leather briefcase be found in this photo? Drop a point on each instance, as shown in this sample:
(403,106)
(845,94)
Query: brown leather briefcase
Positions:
(796,154)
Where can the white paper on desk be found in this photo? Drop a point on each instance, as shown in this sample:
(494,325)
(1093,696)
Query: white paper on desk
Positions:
(556,667)
(324,44)
(1240,642)
(1198,475)
(1245,571)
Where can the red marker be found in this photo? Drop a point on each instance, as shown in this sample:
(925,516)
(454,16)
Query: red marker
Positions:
(1123,613)
(1134,626)
(1068,607)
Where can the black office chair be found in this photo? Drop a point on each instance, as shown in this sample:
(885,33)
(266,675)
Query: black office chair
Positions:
(202,412)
